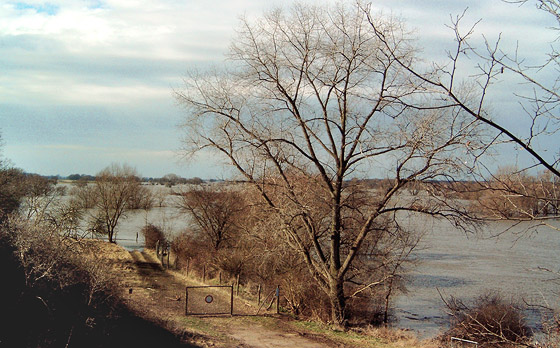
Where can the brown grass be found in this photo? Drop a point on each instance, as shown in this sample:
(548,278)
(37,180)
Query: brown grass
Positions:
(219,331)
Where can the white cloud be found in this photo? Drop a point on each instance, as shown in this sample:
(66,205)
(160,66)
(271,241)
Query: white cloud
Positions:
(130,53)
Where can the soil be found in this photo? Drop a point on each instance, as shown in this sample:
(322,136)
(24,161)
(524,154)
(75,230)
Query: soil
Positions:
(158,294)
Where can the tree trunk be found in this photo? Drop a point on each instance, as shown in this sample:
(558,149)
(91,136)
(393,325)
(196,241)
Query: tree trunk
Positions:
(338,302)
(110,233)
(387,297)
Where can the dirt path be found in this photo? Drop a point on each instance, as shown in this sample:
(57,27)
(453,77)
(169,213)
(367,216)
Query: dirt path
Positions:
(261,337)
(161,294)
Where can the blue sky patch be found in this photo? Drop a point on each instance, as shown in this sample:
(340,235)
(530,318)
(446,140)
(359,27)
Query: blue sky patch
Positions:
(47,8)
(94,4)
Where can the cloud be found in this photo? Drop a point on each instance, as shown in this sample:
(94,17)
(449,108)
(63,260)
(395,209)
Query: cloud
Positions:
(92,79)
(111,52)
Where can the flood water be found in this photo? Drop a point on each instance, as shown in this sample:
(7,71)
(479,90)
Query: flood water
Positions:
(458,264)
(170,219)
(465,266)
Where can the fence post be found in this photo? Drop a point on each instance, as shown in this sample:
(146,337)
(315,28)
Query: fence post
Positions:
(278,299)
(186,300)
(168,252)
(259,295)
(237,291)
(188,264)
(220,277)
(231,311)
(204,274)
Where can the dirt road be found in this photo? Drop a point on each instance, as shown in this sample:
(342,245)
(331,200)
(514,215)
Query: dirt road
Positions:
(160,294)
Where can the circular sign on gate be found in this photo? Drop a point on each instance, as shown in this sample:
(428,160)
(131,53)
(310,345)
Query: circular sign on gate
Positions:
(209,299)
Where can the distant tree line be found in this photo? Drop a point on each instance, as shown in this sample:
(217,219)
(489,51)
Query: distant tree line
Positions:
(168,179)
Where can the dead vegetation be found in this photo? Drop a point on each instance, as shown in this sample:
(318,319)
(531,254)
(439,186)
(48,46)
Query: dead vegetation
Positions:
(491,321)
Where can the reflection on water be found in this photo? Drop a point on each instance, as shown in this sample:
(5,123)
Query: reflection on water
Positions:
(418,281)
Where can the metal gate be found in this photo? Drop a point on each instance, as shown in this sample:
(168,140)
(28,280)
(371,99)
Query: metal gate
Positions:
(209,300)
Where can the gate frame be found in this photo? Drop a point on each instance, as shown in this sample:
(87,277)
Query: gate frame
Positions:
(207,286)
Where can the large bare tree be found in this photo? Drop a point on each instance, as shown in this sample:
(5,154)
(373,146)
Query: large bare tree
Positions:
(311,100)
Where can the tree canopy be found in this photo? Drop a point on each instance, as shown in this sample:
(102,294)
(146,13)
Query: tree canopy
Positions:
(312,99)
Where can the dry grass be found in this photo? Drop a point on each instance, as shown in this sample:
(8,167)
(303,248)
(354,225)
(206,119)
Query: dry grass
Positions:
(110,251)
(216,331)
(399,338)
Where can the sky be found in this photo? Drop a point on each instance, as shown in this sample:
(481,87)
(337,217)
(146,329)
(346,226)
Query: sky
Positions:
(86,83)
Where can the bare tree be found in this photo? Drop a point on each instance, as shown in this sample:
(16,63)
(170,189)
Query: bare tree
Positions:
(313,99)
(42,196)
(142,198)
(114,186)
(214,212)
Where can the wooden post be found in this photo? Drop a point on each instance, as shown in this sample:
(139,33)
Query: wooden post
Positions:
(259,295)
(188,264)
(278,299)
(168,252)
(231,310)
(204,274)
(186,301)
(220,277)
(237,291)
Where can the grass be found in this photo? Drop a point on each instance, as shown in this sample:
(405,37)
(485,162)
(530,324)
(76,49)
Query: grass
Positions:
(198,325)
(369,337)
(217,330)
(345,338)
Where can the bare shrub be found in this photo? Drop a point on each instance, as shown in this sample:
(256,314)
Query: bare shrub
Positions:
(551,331)
(190,251)
(253,247)
(12,189)
(58,296)
(83,194)
(491,320)
(41,197)
(47,257)
(215,213)
(152,234)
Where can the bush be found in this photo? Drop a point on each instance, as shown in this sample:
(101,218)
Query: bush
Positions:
(491,321)
(152,234)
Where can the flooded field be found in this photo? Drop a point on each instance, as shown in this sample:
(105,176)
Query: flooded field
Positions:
(465,266)
(456,263)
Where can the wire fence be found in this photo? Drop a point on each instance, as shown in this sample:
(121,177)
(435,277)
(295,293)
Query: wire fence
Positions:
(209,300)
